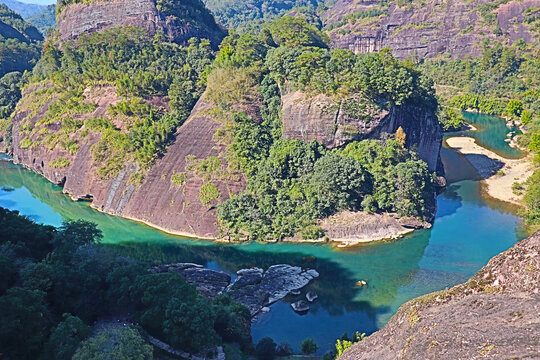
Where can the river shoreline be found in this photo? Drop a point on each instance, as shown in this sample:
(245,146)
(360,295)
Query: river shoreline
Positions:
(497,173)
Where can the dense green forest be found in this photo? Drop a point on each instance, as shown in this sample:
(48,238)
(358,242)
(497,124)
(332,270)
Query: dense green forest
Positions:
(44,20)
(20,49)
(502,81)
(253,13)
(19,42)
(56,282)
(293,183)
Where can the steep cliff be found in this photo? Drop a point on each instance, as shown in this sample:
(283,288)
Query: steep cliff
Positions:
(330,122)
(179,22)
(170,197)
(494,315)
(428,28)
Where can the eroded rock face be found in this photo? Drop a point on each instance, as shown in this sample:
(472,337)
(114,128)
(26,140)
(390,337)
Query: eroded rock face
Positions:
(158,200)
(323,119)
(495,315)
(427,29)
(255,288)
(78,19)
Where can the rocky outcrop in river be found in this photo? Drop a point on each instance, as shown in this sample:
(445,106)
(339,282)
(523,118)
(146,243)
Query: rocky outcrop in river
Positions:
(495,315)
(255,288)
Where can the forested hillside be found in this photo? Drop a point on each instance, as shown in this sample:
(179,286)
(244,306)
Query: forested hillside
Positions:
(57,282)
(503,81)
(20,47)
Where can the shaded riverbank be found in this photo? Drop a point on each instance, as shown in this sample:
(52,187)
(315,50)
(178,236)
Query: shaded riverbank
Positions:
(496,172)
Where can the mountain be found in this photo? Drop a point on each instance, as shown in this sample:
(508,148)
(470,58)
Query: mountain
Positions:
(127,111)
(178,20)
(493,315)
(24,9)
(19,41)
(44,19)
(429,28)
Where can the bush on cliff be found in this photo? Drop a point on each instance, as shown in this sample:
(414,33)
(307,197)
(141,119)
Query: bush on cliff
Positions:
(293,183)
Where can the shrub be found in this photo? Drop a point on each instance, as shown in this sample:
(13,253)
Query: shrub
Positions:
(309,346)
(265,349)
(61,162)
(208,193)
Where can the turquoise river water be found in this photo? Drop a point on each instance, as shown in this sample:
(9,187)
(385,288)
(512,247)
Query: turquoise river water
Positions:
(468,231)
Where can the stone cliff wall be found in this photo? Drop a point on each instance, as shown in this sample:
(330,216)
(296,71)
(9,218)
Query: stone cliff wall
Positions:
(323,119)
(428,29)
(494,315)
(158,200)
(78,19)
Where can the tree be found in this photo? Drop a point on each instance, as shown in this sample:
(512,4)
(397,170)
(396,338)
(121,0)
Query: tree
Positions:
(24,323)
(118,344)
(8,271)
(309,346)
(75,233)
(66,337)
(265,349)
(284,349)
(401,136)
(189,325)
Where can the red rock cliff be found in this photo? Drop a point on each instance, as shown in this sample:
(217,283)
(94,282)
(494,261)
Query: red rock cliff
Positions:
(427,29)
(78,19)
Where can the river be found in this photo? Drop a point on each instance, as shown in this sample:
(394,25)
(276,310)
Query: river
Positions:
(468,230)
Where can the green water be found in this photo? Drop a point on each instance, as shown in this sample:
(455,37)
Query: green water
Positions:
(491,133)
(468,231)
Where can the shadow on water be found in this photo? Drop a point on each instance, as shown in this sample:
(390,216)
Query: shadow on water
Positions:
(341,306)
(453,203)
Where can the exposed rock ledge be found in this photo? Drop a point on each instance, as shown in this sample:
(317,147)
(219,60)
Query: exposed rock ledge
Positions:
(349,228)
(495,315)
(255,288)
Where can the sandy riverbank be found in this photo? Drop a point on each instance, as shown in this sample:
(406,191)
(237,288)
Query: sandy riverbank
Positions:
(489,166)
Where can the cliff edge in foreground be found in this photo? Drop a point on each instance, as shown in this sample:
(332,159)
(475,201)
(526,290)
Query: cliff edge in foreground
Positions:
(495,315)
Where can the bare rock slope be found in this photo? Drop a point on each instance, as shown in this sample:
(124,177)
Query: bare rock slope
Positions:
(494,315)
(86,18)
(326,120)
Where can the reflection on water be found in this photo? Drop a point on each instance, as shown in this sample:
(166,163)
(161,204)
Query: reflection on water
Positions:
(467,232)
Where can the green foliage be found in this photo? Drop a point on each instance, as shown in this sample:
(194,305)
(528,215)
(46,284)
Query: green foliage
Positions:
(19,43)
(178,178)
(250,13)
(139,68)
(450,119)
(8,271)
(24,323)
(67,271)
(122,344)
(378,76)
(344,343)
(265,349)
(61,162)
(292,31)
(10,93)
(308,346)
(208,193)
(44,20)
(66,337)
(502,81)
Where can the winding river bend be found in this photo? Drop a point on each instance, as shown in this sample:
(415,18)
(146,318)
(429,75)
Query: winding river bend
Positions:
(468,231)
